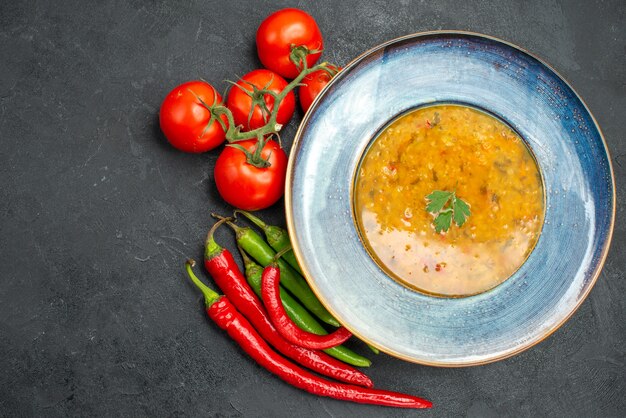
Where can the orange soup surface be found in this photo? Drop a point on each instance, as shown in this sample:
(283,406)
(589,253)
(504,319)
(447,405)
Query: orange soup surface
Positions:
(449,148)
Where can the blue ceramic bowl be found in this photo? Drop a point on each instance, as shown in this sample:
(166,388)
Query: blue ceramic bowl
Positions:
(488,74)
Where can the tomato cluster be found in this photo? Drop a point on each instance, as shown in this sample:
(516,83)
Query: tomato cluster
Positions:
(250,171)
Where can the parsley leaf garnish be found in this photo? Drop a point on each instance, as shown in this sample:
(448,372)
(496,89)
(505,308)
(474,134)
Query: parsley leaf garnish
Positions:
(461,211)
(443,220)
(446,207)
(438,200)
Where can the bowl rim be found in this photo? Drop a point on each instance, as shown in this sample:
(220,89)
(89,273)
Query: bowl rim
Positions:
(298,252)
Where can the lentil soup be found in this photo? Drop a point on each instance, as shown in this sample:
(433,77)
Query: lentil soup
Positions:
(449,148)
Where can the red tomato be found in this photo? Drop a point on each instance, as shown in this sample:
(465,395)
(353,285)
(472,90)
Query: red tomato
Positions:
(314,83)
(248,187)
(239,102)
(279,31)
(184,119)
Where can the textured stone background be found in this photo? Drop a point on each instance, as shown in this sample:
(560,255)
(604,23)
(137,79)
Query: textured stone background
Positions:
(98,212)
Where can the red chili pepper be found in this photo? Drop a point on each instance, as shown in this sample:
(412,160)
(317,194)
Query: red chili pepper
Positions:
(224,314)
(285,326)
(221,265)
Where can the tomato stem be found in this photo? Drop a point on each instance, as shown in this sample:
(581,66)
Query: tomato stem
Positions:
(254,158)
(234,132)
(262,134)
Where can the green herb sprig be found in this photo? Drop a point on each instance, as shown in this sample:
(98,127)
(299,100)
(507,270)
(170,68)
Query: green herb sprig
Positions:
(446,206)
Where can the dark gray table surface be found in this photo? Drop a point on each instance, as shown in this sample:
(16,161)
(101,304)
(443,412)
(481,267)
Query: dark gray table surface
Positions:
(98,212)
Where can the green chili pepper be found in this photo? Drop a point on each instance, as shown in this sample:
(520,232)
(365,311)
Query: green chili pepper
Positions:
(300,315)
(374,349)
(257,248)
(277,238)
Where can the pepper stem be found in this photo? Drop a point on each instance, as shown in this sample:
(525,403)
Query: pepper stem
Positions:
(210,296)
(255,220)
(238,230)
(280,254)
(247,261)
(212,248)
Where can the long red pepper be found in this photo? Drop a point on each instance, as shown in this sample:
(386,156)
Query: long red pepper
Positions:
(285,325)
(221,265)
(224,314)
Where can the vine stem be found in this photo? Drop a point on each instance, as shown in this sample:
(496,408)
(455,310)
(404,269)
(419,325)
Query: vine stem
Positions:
(233,132)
